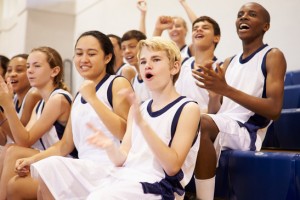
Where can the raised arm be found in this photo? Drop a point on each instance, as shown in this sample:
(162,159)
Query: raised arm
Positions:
(162,23)
(142,6)
(32,98)
(192,16)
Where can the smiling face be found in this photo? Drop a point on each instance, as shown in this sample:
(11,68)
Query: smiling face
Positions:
(252,21)
(130,51)
(203,35)
(178,31)
(90,59)
(17,74)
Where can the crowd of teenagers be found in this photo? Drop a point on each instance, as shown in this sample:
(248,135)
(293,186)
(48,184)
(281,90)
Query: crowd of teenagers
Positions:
(151,115)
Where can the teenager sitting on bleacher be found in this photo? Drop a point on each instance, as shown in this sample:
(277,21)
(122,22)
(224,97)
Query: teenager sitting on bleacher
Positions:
(246,93)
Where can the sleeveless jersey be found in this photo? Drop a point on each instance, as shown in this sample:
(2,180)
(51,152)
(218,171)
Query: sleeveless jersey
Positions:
(249,76)
(83,113)
(186,84)
(19,110)
(141,164)
(55,133)
(140,89)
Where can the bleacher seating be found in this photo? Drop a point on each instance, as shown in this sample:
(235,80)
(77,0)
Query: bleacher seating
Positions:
(274,172)
(250,175)
(292,78)
(291,98)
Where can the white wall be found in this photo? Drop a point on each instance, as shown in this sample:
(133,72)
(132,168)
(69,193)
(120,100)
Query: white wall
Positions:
(119,16)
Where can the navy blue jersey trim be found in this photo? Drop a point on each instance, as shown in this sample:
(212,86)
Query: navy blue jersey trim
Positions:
(264,71)
(120,68)
(109,90)
(182,47)
(16,106)
(164,109)
(185,59)
(166,187)
(176,119)
(243,61)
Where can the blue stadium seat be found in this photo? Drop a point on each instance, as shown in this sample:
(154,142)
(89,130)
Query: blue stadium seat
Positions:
(291,98)
(295,77)
(284,133)
(258,175)
(288,79)
(287,129)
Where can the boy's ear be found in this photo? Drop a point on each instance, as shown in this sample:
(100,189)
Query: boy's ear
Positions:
(176,68)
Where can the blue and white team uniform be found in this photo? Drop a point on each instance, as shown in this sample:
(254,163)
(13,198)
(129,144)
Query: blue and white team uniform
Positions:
(140,89)
(19,110)
(239,127)
(186,84)
(119,71)
(185,53)
(142,176)
(69,178)
(55,133)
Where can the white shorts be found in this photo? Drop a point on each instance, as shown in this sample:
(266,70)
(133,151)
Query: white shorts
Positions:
(113,188)
(232,135)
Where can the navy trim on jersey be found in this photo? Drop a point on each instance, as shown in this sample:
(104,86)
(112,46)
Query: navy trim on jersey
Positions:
(16,106)
(58,127)
(264,71)
(175,122)
(243,61)
(97,87)
(256,121)
(166,187)
(170,184)
(120,68)
(164,109)
(185,59)
(109,92)
(182,47)
(192,64)
(139,80)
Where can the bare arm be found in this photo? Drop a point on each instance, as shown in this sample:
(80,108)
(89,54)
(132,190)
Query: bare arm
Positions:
(61,148)
(142,6)
(192,16)
(269,107)
(115,120)
(129,73)
(54,109)
(32,98)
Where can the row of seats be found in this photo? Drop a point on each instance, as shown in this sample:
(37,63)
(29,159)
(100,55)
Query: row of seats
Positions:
(267,175)
(246,175)
(292,78)
(273,173)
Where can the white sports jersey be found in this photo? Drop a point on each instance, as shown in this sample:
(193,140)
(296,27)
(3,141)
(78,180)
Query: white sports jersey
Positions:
(119,71)
(249,76)
(83,113)
(141,164)
(185,52)
(69,178)
(186,84)
(54,134)
(140,89)
(19,110)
